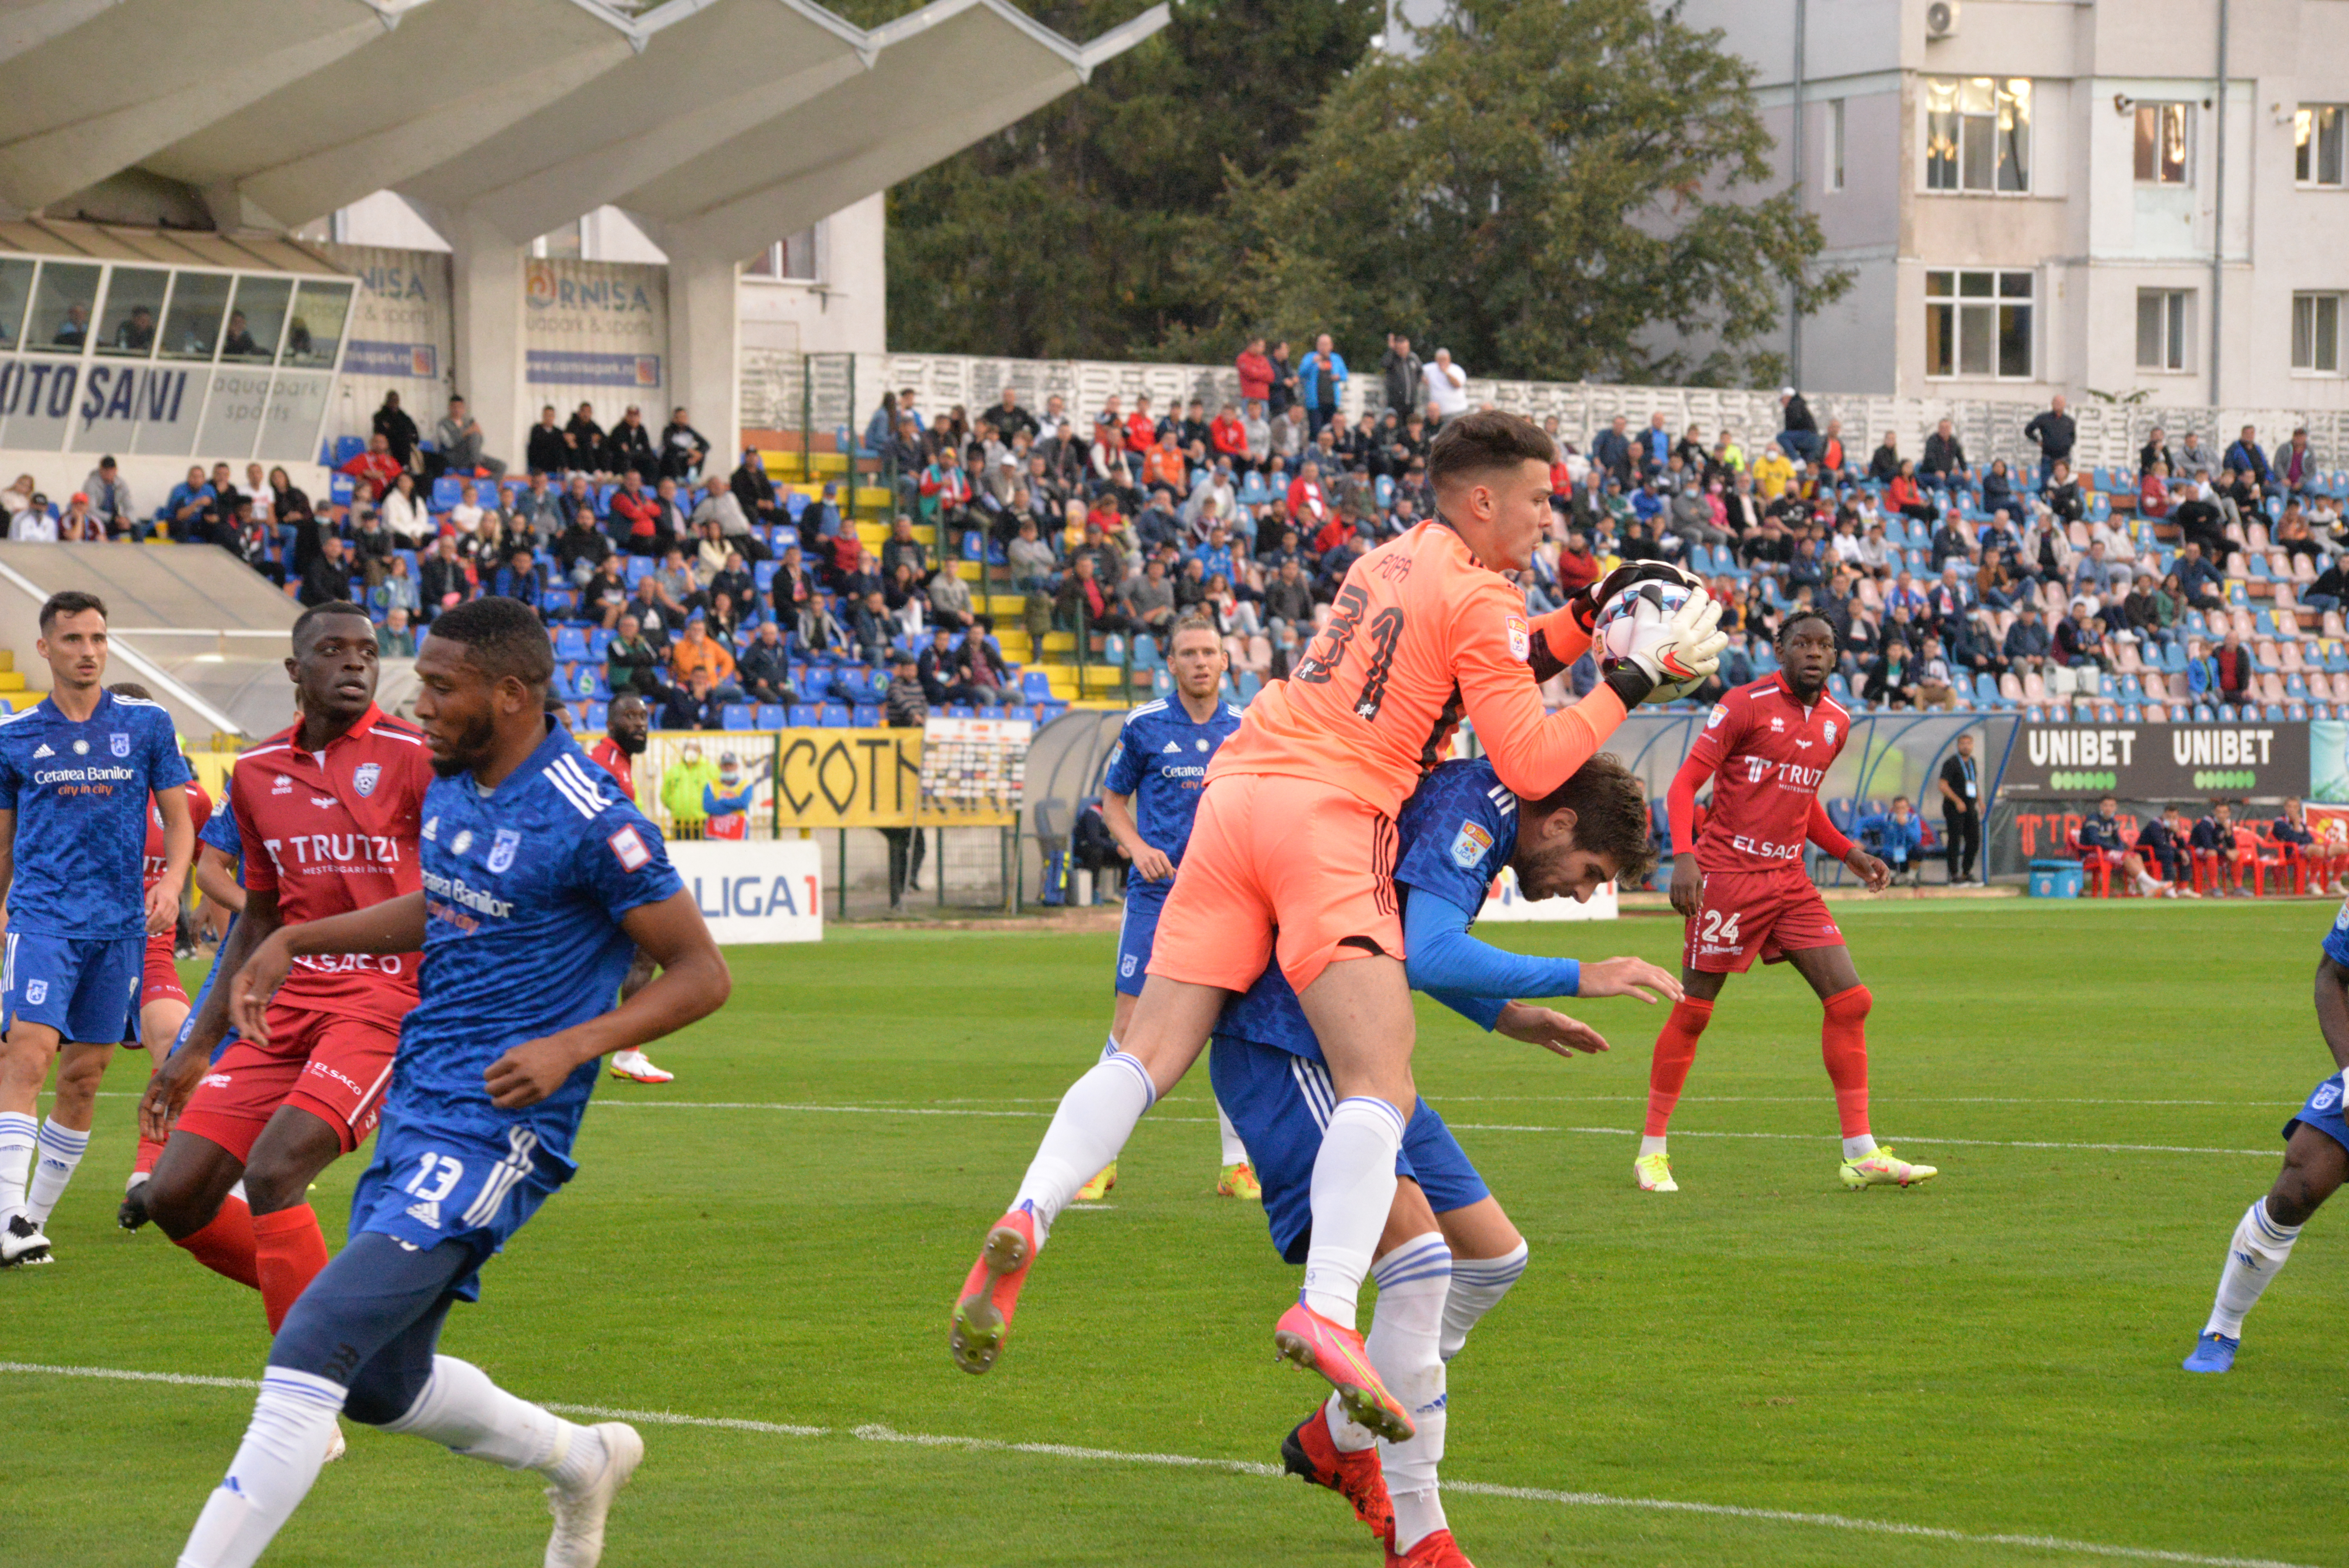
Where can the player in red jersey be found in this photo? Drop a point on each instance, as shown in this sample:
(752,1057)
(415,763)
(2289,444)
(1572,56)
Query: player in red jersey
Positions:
(1743,887)
(626,723)
(329,812)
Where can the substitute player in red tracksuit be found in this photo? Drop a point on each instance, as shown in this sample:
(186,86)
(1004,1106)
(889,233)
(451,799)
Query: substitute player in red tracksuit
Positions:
(1743,889)
(329,812)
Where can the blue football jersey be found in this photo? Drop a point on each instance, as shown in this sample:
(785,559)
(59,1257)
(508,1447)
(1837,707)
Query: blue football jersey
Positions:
(1161,760)
(524,892)
(2336,940)
(1456,831)
(221,832)
(80,793)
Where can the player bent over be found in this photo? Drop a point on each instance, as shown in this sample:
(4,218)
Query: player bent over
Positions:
(78,772)
(1742,889)
(1289,857)
(329,811)
(2315,1162)
(1448,1252)
(540,882)
(1150,792)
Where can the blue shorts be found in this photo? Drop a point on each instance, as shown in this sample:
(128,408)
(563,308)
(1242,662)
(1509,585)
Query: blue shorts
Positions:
(425,1187)
(1144,901)
(1280,1103)
(2323,1112)
(87,990)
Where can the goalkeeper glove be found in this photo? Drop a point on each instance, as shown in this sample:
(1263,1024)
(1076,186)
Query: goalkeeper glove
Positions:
(1684,646)
(1593,597)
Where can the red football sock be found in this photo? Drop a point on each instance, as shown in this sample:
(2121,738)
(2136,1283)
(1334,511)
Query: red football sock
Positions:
(1843,1044)
(225,1246)
(289,1250)
(1667,1069)
(150,1151)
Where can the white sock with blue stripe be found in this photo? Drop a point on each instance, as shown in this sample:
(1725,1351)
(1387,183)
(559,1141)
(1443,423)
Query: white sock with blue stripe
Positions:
(18,1134)
(462,1410)
(1478,1287)
(1235,1152)
(1354,1187)
(1406,1327)
(1095,1118)
(2255,1255)
(293,1421)
(61,1148)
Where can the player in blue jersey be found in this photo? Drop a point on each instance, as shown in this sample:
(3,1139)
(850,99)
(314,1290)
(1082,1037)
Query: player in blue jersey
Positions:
(1157,773)
(77,771)
(540,885)
(1448,1252)
(2315,1162)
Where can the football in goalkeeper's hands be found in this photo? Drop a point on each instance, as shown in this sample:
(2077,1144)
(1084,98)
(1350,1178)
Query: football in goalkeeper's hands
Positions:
(1611,632)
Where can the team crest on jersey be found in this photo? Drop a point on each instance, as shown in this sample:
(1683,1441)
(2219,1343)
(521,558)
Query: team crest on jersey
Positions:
(81,748)
(118,743)
(1713,720)
(502,848)
(364,776)
(35,993)
(2327,1095)
(1829,731)
(1126,967)
(1521,639)
(1469,845)
(461,842)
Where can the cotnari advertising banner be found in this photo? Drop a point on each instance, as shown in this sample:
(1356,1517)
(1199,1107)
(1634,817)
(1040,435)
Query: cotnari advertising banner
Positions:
(597,331)
(2158,761)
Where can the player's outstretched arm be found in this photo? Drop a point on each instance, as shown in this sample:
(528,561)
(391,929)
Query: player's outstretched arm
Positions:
(693,982)
(1552,1031)
(395,925)
(1633,977)
(1442,956)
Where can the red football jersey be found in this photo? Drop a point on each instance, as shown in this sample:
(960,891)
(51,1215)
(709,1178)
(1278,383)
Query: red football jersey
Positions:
(607,754)
(1768,755)
(332,832)
(199,811)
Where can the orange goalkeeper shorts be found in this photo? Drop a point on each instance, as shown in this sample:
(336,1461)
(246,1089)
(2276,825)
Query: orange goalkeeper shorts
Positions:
(1278,868)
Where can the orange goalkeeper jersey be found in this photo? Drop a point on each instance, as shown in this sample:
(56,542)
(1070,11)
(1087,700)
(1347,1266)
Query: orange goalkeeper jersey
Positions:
(1421,633)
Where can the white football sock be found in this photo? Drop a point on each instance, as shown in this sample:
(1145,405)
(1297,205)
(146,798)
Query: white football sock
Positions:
(1095,1118)
(2255,1255)
(18,1134)
(1859,1148)
(1406,1328)
(1235,1152)
(274,1468)
(61,1148)
(1478,1287)
(1354,1187)
(464,1412)
(1651,1145)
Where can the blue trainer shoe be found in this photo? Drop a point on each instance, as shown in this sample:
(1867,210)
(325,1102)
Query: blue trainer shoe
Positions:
(2214,1353)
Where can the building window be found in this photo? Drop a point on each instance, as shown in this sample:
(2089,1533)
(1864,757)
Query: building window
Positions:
(2164,133)
(1835,144)
(2317,143)
(2164,327)
(1977,323)
(2316,334)
(790,261)
(1978,133)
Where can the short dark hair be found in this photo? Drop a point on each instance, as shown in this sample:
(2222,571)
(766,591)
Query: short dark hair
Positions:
(132,690)
(1787,626)
(502,637)
(72,601)
(318,611)
(1487,439)
(1610,815)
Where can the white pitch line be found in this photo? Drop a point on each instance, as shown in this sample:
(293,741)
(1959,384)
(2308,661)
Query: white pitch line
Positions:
(1457,1127)
(875,1432)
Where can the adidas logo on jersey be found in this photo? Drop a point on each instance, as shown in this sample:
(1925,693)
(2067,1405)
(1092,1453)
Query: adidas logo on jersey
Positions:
(43,752)
(1172,745)
(426,1213)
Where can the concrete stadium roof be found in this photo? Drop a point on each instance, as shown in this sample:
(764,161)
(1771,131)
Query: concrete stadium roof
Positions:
(726,122)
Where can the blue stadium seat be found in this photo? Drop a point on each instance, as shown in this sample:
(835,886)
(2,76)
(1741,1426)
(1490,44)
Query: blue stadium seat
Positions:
(1145,651)
(1046,712)
(806,714)
(1161,683)
(346,449)
(2274,713)
(737,715)
(837,716)
(1249,684)
(762,573)
(598,639)
(2203,714)
(446,492)
(961,710)
(772,716)
(638,568)
(865,715)
(594,716)
(2295,711)
(2295,686)
(590,684)
(341,488)
(2032,713)
(569,645)
(1986,691)
(1036,686)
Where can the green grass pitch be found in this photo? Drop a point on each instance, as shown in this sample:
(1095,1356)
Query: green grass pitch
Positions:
(1993,1357)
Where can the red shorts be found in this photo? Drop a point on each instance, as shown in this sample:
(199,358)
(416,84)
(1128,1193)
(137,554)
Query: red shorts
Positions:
(330,1065)
(1745,913)
(162,983)
(1291,869)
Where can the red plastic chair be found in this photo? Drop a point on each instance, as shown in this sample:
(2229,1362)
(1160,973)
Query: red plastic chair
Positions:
(2257,855)
(2093,867)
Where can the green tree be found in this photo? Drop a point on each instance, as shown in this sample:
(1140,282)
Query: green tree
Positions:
(1086,230)
(1549,189)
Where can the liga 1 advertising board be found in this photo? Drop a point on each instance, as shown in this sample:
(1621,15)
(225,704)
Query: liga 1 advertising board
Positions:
(756,890)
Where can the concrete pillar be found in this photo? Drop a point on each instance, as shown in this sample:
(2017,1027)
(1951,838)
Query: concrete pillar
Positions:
(487,269)
(704,336)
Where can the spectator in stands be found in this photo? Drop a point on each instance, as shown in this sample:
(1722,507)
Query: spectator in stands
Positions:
(394,587)
(109,499)
(519,578)
(2233,668)
(539,507)
(583,442)
(2142,611)
(1399,373)
(2061,491)
(446,577)
(697,652)
(2245,457)
(466,515)
(330,577)
(398,434)
(1905,497)
(1149,599)
(183,513)
(1798,432)
(633,661)
(1891,680)
(2104,837)
(35,524)
(1447,388)
(2161,845)
(950,600)
(628,447)
(80,524)
(869,624)
(1945,463)
(1884,464)
(2294,472)
(754,492)
(711,552)
(603,597)
(2098,576)
(980,667)
(2155,454)
(547,452)
(406,513)
(1031,560)
(2053,431)
(2332,585)
(901,546)
(1086,601)
(1936,682)
(637,519)
(940,668)
(695,705)
(394,639)
(683,449)
(1899,834)
(676,588)
(2199,580)
(1321,383)
(720,504)
(764,669)
(2153,492)
(2080,639)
